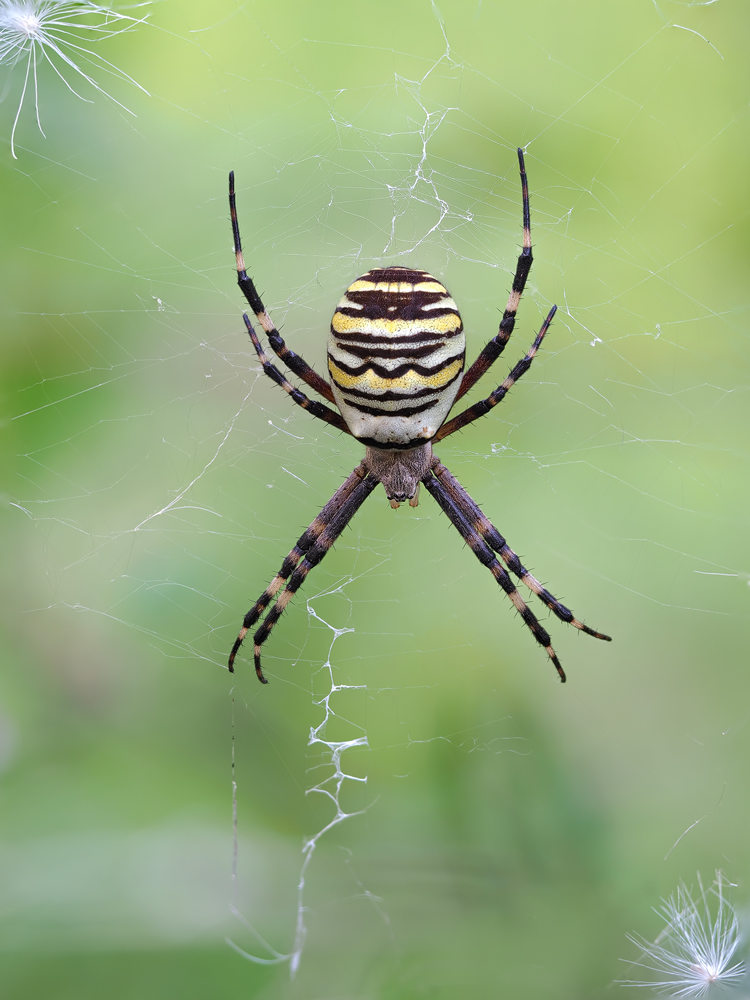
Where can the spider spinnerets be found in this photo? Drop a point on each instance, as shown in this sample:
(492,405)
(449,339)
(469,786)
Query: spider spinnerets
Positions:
(396,362)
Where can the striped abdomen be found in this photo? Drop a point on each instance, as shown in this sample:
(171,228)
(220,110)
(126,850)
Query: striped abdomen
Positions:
(395,356)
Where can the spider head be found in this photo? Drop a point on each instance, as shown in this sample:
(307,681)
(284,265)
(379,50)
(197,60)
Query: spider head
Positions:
(400,472)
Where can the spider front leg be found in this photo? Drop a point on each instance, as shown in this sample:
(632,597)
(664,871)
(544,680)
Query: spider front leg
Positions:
(492,351)
(308,552)
(319,410)
(485,405)
(293,361)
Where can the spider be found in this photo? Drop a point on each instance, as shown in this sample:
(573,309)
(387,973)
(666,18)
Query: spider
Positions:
(396,366)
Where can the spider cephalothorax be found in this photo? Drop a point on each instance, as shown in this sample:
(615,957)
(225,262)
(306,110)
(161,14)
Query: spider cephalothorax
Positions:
(396,363)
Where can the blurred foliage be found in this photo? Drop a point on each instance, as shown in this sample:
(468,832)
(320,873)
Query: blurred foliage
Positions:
(510,831)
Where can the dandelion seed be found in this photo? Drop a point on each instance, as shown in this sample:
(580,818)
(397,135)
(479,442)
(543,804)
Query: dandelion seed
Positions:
(59,32)
(695,950)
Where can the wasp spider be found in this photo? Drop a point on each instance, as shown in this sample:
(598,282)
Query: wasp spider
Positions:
(396,366)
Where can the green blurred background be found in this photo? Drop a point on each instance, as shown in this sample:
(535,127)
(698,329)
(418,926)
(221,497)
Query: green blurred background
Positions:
(510,830)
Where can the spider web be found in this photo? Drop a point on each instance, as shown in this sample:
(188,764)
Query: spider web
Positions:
(162,478)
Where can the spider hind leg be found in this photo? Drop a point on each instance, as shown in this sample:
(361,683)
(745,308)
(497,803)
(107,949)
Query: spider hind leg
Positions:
(482,537)
(487,530)
(307,553)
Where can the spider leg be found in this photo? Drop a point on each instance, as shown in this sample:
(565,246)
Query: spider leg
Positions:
(492,351)
(312,406)
(486,556)
(485,405)
(293,361)
(308,552)
(484,527)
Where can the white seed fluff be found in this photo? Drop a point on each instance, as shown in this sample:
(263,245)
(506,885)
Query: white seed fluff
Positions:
(696,950)
(59,33)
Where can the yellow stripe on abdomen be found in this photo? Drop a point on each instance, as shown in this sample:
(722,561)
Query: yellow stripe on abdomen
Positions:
(449,323)
(368,381)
